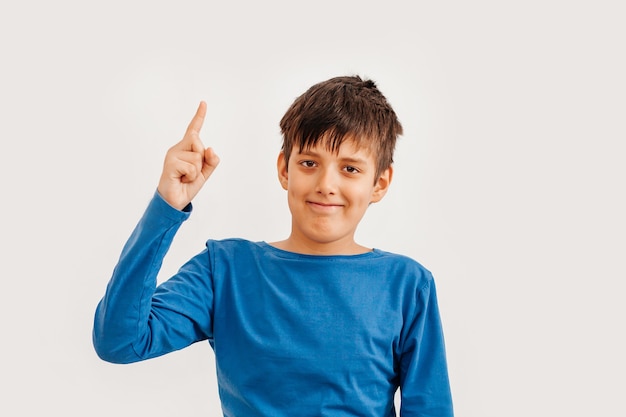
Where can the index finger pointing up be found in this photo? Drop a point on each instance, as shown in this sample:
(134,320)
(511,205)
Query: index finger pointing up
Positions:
(196,123)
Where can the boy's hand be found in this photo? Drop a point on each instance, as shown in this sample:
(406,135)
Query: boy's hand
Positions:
(187,165)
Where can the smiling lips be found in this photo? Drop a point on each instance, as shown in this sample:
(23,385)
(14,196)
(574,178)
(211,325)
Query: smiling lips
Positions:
(325,207)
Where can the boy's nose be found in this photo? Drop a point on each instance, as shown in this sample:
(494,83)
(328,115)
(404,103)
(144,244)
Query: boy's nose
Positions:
(327,182)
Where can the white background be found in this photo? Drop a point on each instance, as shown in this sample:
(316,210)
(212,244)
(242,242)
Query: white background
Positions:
(509,181)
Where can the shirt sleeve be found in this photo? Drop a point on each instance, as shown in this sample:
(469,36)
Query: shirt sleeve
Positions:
(136,320)
(424,382)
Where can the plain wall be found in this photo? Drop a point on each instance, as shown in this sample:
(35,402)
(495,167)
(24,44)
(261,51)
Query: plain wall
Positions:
(509,181)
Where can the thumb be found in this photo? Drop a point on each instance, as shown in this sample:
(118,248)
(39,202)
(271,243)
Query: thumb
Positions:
(211,161)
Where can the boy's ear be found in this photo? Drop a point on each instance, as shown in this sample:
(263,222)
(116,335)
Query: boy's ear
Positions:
(382,185)
(281,165)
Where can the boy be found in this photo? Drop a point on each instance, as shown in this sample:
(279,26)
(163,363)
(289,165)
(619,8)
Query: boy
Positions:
(314,325)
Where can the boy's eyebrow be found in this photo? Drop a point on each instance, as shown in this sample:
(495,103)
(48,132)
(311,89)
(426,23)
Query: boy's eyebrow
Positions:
(354,160)
(345,159)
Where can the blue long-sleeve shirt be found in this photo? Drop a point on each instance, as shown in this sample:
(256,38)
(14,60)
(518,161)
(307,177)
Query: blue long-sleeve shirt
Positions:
(293,335)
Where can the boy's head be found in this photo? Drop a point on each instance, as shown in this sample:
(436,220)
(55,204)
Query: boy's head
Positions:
(339,109)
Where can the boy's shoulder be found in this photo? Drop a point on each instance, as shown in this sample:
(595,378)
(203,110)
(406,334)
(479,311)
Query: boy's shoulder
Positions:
(406,265)
(401,258)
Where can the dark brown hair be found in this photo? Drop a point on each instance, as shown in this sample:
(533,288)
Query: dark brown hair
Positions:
(342,108)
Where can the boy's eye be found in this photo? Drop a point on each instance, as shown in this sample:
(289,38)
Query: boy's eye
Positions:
(351,170)
(307,164)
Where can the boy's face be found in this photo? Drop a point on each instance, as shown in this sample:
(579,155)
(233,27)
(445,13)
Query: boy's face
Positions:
(328,194)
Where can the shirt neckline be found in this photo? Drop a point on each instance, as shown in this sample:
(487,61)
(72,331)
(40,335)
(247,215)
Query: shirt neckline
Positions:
(294,255)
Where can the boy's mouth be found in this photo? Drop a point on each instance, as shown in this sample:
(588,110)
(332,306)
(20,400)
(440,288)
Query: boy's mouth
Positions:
(323,206)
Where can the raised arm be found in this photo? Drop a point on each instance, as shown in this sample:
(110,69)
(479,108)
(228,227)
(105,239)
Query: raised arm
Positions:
(135,320)
(187,165)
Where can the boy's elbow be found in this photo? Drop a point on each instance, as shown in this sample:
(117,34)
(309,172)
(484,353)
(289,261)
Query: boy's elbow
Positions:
(111,339)
(112,352)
